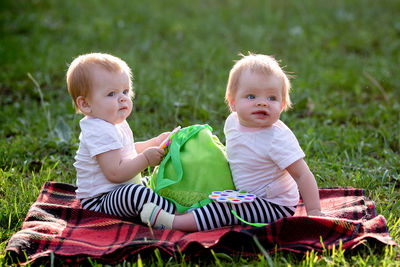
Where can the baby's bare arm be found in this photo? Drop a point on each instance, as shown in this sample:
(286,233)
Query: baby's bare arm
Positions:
(118,170)
(307,186)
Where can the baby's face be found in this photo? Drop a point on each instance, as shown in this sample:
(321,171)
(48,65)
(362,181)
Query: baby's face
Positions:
(109,98)
(258,99)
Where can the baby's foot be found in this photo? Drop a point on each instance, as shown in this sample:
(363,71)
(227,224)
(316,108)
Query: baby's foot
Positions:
(156,217)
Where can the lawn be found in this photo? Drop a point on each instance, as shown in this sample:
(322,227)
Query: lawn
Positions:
(344,55)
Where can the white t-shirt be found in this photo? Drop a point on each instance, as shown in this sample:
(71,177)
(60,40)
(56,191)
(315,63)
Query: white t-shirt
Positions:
(258,159)
(98,136)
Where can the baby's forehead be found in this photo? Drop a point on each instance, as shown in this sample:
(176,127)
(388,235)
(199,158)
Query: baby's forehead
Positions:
(245,74)
(261,89)
(260,80)
(97,69)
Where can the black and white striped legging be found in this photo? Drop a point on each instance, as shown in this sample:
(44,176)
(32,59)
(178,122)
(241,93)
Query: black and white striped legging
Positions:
(260,210)
(126,201)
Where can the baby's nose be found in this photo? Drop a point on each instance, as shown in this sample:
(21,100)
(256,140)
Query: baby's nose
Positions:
(262,103)
(123,98)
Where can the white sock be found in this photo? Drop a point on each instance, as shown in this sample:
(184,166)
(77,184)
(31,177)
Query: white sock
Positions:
(156,217)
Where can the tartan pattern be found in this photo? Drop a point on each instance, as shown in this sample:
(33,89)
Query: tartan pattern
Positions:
(56,224)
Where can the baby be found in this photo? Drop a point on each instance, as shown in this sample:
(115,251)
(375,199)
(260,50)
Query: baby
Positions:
(264,155)
(108,162)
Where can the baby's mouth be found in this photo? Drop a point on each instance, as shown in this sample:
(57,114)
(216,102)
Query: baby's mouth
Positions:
(260,113)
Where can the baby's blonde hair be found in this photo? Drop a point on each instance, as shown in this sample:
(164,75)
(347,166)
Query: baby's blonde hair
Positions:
(262,64)
(79,80)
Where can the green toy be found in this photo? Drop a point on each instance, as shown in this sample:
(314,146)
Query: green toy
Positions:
(194,166)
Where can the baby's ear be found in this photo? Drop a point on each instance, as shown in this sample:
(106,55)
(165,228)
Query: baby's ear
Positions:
(83,105)
(231,103)
(282,106)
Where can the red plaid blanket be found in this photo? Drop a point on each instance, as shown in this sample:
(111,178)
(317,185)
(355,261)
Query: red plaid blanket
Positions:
(56,225)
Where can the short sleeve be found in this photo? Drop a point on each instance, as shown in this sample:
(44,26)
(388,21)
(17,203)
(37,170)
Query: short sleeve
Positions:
(285,148)
(229,123)
(99,136)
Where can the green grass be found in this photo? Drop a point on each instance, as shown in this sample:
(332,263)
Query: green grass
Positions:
(345,56)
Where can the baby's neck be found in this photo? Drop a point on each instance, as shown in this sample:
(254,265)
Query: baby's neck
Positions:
(249,129)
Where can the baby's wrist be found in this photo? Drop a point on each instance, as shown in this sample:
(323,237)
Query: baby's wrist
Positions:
(146,158)
(312,210)
(315,212)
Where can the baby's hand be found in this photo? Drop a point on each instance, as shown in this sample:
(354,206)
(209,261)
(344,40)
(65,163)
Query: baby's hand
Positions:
(315,213)
(162,137)
(153,155)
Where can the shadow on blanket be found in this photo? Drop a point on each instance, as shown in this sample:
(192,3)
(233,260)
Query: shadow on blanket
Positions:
(56,225)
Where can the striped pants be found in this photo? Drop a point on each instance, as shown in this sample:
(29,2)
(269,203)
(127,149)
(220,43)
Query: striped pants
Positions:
(217,214)
(126,201)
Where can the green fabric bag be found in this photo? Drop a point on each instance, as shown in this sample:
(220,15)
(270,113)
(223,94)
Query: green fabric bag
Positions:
(194,166)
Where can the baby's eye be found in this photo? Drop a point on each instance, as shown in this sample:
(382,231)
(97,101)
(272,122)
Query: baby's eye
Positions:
(271,98)
(126,92)
(111,94)
(250,97)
